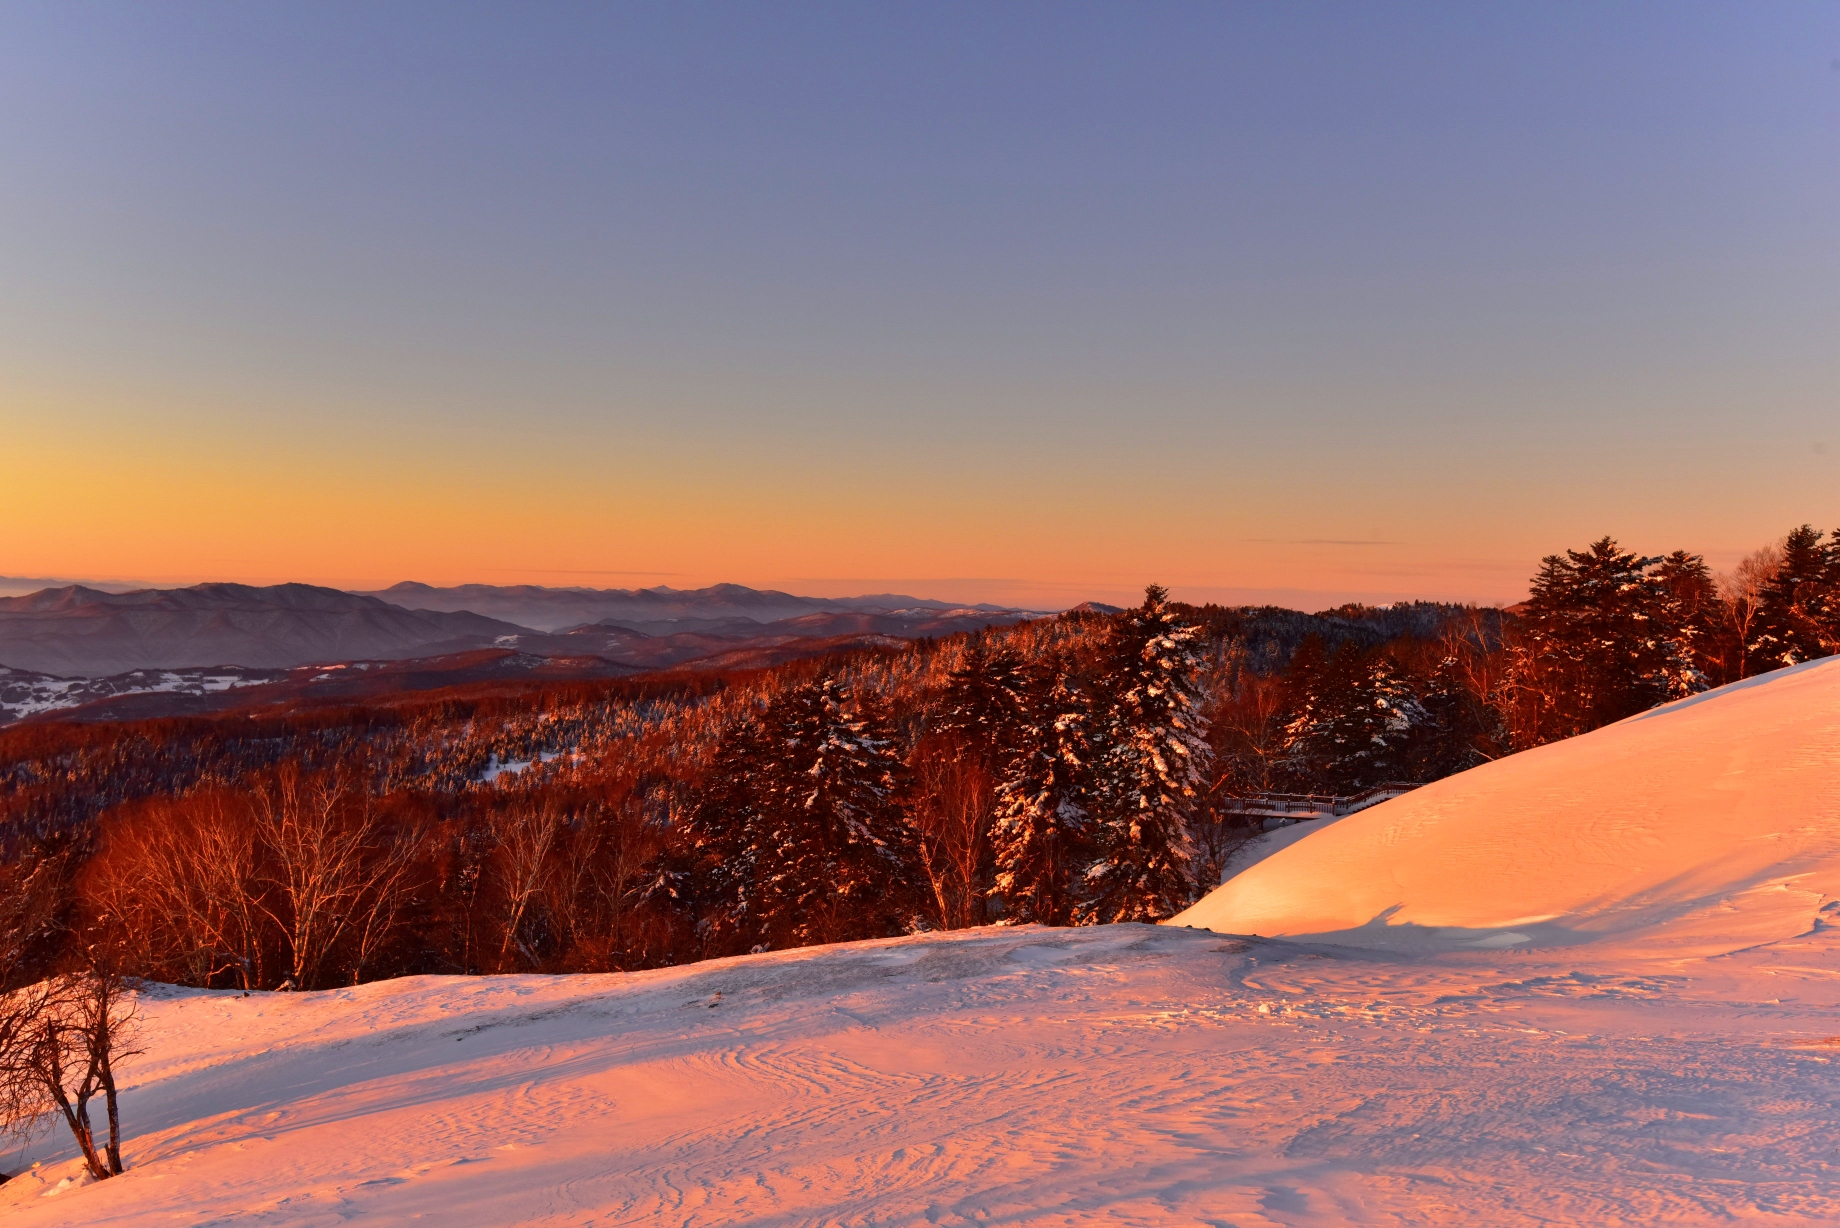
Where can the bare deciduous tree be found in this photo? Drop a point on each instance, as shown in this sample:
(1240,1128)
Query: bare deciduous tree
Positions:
(526,839)
(59,1042)
(23,1103)
(619,865)
(1741,588)
(601,863)
(336,870)
(185,883)
(1246,721)
(955,800)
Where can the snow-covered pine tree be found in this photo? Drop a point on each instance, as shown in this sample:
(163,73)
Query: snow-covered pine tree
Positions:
(838,860)
(982,704)
(1798,610)
(1688,609)
(1039,836)
(1461,730)
(715,869)
(1154,759)
(1358,719)
(1598,646)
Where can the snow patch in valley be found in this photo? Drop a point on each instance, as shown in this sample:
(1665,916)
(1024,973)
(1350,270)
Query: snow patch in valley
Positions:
(24,694)
(495,767)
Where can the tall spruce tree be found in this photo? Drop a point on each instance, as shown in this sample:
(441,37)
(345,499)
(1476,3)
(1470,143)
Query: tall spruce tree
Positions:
(1358,722)
(1692,618)
(1798,610)
(1462,729)
(981,707)
(1599,646)
(797,834)
(714,873)
(841,862)
(1155,757)
(1040,835)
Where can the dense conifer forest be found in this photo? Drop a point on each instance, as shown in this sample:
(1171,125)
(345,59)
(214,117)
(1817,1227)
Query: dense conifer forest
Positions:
(1079,769)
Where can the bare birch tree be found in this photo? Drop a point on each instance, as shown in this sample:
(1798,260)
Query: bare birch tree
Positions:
(1741,589)
(956,798)
(59,1042)
(187,889)
(336,871)
(526,838)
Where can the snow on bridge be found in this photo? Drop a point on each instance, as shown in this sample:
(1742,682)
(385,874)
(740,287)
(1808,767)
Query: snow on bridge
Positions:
(1280,809)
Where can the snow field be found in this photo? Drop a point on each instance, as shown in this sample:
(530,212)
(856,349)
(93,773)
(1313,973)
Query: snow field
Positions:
(1125,1074)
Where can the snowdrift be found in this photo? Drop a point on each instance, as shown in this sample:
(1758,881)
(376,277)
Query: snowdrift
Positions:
(1702,827)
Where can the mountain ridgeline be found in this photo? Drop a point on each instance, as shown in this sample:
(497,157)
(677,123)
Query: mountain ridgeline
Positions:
(661,610)
(85,632)
(104,655)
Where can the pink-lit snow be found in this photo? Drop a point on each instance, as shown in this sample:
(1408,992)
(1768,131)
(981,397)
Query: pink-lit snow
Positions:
(1698,828)
(1656,1051)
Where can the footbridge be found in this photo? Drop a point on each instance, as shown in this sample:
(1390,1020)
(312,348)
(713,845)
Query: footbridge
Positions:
(1279,809)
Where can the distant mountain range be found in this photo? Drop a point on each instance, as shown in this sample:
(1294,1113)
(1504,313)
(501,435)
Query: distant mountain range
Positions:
(90,633)
(720,608)
(623,643)
(76,647)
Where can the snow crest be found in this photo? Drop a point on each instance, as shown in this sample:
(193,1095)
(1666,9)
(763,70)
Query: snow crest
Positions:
(1702,827)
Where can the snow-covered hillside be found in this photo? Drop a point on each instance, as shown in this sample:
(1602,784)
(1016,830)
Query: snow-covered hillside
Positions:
(1660,1050)
(1701,827)
(25,694)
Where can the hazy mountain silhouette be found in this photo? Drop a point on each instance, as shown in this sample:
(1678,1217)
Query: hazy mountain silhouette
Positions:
(89,633)
(76,631)
(657,611)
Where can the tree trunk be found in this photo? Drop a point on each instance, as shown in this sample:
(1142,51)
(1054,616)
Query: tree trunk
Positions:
(108,1093)
(76,1116)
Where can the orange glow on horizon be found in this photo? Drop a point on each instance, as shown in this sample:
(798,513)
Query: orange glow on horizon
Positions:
(101,490)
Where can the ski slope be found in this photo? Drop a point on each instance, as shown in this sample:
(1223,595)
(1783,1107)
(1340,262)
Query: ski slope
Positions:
(1661,1056)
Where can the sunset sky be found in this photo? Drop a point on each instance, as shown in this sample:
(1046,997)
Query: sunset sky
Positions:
(1022,303)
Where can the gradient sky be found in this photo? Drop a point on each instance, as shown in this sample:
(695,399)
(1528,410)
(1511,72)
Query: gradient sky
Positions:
(1012,302)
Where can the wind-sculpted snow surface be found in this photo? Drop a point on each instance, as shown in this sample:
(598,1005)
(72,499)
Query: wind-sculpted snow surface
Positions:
(1126,1074)
(1702,827)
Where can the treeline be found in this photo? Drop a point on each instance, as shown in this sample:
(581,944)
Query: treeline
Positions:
(1072,770)
(1605,634)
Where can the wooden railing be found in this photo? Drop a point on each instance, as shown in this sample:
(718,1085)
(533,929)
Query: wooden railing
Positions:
(1300,807)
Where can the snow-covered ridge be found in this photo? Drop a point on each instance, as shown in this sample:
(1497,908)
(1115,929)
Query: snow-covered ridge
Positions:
(1707,825)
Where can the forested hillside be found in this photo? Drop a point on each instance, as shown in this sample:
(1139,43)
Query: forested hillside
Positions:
(1069,770)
